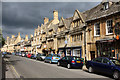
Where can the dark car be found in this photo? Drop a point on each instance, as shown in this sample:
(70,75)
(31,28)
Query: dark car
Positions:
(33,56)
(70,62)
(17,53)
(105,65)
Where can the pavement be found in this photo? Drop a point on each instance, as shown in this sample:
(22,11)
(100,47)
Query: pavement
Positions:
(21,67)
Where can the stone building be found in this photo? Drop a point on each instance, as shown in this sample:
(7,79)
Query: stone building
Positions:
(11,42)
(103,22)
(88,34)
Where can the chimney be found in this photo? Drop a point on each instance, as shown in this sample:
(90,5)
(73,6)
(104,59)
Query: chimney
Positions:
(55,14)
(46,20)
(26,38)
(31,35)
(19,34)
(7,38)
(13,36)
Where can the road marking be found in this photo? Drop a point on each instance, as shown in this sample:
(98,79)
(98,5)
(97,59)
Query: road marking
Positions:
(14,70)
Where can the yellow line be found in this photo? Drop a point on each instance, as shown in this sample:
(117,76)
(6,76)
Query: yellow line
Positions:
(15,71)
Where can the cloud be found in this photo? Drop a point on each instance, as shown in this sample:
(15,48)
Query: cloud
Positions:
(24,17)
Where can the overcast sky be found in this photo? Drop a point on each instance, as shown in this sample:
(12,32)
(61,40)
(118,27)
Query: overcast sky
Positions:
(24,17)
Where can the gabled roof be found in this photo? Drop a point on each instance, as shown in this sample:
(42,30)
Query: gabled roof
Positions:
(61,23)
(78,15)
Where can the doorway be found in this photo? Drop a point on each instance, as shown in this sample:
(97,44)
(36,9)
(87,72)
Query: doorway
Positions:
(92,53)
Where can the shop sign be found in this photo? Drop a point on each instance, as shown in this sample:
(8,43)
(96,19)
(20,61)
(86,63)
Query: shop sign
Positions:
(117,37)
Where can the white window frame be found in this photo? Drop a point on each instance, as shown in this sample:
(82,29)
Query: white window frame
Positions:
(95,29)
(106,5)
(107,27)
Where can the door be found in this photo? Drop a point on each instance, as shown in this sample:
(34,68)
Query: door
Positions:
(62,61)
(106,66)
(97,64)
(92,53)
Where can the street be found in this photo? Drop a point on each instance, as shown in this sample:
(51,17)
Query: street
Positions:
(30,68)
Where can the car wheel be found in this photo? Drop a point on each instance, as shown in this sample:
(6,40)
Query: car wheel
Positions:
(50,62)
(58,63)
(116,75)
(68,66)
(90,69)
(44,61)
(40,59)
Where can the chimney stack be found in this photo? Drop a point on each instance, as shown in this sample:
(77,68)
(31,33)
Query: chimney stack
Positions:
(26,38)
(55,14)
(46,20)
(13,36)
(31,35)
(19,34)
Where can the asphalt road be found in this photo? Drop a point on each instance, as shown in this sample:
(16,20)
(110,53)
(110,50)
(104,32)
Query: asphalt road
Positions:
(30,68)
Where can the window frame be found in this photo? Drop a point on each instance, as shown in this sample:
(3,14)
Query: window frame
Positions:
(95,29)
(109,26)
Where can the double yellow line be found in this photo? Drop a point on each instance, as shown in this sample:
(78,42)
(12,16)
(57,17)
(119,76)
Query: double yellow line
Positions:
(15,70)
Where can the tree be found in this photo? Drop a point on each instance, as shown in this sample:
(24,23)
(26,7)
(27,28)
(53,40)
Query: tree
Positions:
(2,40)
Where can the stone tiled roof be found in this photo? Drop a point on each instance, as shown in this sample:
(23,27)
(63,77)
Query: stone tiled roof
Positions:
(67,22)
(98,11)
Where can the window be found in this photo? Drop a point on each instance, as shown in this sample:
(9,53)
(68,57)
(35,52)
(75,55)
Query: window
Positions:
(106,6)
(97,60)
(72,38)
(81,37)
(105,61)
(97,29)
(109,28)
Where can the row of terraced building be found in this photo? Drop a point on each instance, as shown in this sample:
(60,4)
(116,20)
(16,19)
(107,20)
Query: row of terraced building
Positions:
(87,34)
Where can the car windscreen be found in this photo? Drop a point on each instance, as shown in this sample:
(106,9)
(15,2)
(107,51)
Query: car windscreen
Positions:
(76,58)
(43,54)
(55,55)
(115,61)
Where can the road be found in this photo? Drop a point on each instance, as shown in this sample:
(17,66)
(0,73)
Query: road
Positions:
(31,68)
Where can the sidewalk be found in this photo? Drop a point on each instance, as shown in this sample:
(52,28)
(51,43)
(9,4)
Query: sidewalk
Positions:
(10,71)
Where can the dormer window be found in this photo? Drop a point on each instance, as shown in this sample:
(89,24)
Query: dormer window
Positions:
(106,5)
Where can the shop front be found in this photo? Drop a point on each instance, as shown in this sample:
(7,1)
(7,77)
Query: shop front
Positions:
(106,48)
(71,51)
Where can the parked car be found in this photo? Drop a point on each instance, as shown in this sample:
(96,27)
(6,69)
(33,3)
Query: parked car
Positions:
(20,54)
(105,65)
(17,53)
(40,56)
(52,58)
(24,54)
(70,62)
(3,55)
(29,55)
(13,53)
(33,56)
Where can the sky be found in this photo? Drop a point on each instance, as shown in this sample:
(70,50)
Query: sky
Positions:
(24,17)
